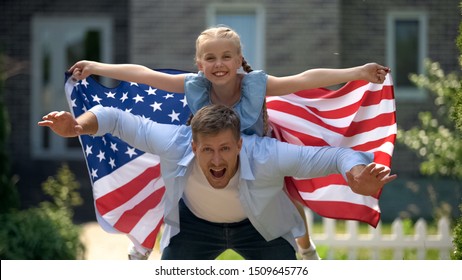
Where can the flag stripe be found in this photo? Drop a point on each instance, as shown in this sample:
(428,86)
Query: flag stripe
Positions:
(128,221)
(127,191)
(359,115)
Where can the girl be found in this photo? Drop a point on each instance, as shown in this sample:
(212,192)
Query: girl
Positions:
(218,58)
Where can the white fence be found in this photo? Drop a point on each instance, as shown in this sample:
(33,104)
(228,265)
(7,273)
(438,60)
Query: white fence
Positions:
(375,241)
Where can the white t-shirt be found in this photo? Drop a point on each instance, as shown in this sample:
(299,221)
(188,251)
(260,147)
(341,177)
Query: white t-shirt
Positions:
(213,205)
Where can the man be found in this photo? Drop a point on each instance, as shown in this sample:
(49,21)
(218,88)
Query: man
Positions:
(224,190)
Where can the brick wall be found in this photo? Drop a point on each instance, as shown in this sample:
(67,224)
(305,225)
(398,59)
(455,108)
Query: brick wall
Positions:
(299,34)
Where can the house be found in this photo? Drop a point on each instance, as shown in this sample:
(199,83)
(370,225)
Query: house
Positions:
(281,37)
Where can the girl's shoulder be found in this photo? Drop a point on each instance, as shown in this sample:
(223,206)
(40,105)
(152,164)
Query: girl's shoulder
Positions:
(254,83)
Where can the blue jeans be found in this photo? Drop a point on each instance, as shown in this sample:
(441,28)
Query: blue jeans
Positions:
(203,240)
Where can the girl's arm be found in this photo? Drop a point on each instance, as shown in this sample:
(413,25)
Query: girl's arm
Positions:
(131,73)
(315,78)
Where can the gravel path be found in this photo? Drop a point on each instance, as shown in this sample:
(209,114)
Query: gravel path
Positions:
(101,245)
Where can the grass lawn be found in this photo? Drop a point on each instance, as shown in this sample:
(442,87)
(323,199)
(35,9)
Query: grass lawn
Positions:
(363,253)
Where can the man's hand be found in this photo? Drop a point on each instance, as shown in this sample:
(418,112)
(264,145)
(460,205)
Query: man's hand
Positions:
(370,179)
(62,123)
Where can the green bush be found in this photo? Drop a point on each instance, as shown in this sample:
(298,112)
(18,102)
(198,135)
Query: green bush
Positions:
(9,195)
(45,232)
(457,241)
(39,234)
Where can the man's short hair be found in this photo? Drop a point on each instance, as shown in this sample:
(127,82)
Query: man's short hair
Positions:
(215,118)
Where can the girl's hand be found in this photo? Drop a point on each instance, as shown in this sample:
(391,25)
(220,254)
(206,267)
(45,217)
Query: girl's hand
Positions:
(374,73)
(81,70)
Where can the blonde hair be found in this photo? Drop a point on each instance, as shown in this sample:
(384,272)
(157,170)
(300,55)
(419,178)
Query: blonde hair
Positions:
(218,32)
(224,32)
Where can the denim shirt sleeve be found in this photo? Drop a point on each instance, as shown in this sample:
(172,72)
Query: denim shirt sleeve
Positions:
(197,89)
(249,107)
(284,159)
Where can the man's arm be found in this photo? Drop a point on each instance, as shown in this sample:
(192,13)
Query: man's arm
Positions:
(362,175)
(65,125)
(370,179)
(138,132)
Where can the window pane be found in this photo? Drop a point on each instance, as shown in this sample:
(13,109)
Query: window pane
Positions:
(245,25)
(47,89)
(87,46)
(407,50)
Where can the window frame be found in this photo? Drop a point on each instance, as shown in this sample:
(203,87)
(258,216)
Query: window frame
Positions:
(408,93)
(58,148)
(216,8)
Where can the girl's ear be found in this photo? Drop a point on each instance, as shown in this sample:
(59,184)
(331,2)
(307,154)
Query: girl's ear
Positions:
(240,59)
(199,65)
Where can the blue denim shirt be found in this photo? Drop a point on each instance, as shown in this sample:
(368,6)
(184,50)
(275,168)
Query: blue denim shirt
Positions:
(264,162)
(249,107)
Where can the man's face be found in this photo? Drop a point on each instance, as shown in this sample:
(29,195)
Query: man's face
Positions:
(218,156)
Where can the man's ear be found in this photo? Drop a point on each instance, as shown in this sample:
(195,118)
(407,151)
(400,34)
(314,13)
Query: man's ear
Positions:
(239,144)
(193,146)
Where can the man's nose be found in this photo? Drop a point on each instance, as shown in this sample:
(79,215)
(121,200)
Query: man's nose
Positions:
(216,158)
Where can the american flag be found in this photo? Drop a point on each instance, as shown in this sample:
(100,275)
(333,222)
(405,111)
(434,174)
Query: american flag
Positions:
(128,188)
(126,182)
(360,115)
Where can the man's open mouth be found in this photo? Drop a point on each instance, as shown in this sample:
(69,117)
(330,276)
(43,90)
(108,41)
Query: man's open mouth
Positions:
(218,173)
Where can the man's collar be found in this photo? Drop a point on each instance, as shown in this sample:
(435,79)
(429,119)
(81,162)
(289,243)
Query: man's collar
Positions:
(246,171)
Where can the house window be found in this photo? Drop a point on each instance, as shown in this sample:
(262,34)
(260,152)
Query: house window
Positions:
(248,21)
(406,51)
(57,44)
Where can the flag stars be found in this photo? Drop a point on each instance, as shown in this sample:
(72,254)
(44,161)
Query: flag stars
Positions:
(138,98)
(133,84)
(101,156)
(174,116)
(96,98)
(94,173)
(112,163)
(110,94)
(88,150)
(130,152)
(73,104)
(168,95)
(185,103)
(84,83)
(156,106)
(124,96)
(114,147)
(151,91)
(145,118)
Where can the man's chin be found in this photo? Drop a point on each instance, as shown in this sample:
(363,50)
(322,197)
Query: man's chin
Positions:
(217,183)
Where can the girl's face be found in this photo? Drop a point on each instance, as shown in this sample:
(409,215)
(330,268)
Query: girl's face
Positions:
(219,60)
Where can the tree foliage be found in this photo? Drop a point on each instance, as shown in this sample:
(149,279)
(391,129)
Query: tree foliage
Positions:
(438,138)
(9,196)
